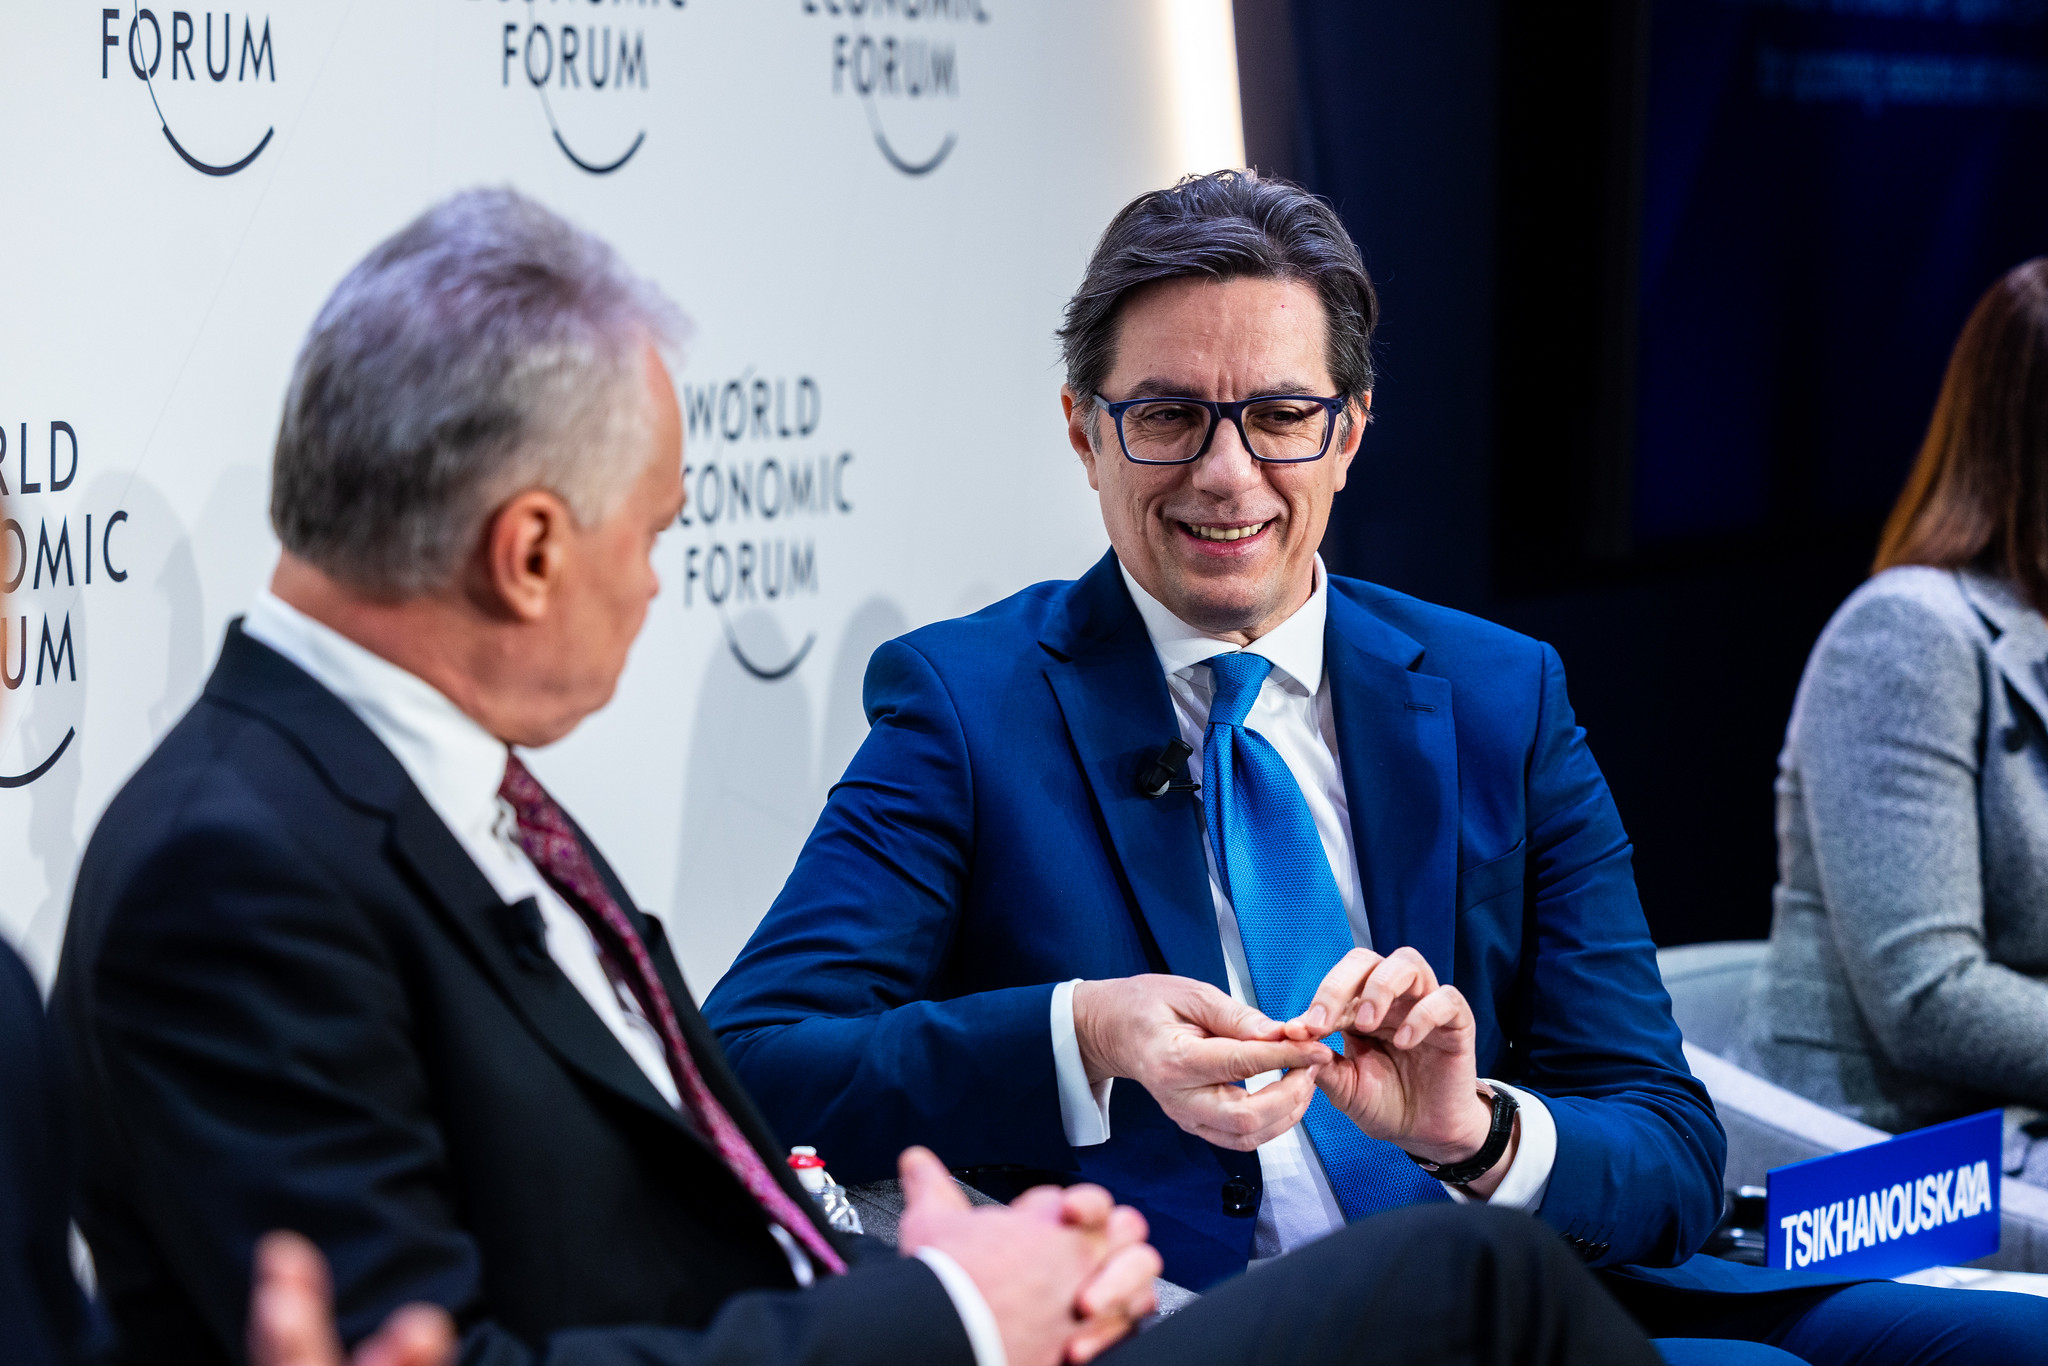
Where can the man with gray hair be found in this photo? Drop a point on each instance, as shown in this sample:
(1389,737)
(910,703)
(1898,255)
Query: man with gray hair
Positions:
(337,963)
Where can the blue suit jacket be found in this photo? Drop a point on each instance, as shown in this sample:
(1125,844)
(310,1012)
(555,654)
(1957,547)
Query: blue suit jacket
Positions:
(989,841)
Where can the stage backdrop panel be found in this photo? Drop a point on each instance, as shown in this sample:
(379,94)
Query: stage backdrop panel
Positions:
(871,209)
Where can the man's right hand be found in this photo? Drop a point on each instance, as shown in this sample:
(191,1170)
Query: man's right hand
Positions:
(1066,1273)
(1190,1046)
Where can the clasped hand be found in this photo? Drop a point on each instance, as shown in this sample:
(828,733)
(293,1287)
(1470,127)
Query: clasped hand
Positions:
(1066,1273)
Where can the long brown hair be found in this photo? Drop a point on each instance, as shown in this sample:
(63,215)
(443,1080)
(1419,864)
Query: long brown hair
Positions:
(1978,493)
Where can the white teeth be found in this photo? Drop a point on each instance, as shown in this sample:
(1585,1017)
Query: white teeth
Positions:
(1224,533)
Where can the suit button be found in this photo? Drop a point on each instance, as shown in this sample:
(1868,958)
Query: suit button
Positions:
(1240,1198)
(2015,739)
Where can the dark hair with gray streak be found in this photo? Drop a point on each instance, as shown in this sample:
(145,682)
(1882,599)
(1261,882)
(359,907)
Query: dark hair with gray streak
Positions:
(488,348)
(1223,226)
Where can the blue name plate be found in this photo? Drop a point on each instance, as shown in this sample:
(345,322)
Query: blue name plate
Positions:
(1926,1198)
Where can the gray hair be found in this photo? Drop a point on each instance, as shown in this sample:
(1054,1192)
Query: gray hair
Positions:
(487,348)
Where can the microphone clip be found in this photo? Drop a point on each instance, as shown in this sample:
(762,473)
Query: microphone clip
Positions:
(1158,778)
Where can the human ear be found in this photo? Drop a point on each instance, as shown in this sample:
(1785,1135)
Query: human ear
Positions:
(525,550)
(1354,418)
(1081,432)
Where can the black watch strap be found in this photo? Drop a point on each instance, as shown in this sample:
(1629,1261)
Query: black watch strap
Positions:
(1481,1162)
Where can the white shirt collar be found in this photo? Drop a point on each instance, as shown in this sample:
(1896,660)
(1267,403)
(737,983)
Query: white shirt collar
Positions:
(456,764)
(1295,646)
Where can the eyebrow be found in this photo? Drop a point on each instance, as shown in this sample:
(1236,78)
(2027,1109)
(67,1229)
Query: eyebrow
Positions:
(1155,387)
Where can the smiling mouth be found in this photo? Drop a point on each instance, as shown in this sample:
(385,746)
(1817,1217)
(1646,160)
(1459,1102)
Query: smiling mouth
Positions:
(1224,533)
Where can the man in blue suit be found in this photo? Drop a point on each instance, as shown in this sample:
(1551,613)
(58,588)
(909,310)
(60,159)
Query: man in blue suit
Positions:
(1023,897)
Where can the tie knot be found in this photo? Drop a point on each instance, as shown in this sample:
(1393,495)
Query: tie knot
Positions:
(524,794)
(1236,678)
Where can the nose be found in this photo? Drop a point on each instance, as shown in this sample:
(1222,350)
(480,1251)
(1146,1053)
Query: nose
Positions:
(1227,468)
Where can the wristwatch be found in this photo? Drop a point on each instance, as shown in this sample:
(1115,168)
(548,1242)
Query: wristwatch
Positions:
(1480,1163)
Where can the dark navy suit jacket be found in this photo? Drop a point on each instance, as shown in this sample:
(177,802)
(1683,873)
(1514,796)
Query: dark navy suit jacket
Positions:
(989,840)
(42,1314)
(292,1000)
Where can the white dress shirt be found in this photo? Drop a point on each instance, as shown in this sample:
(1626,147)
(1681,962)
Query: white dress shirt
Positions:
(457,766)
(1296,715)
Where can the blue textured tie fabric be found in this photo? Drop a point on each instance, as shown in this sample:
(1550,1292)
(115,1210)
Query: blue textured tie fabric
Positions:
(1290,917)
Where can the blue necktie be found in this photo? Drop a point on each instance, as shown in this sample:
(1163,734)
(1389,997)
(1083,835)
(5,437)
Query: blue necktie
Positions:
(1290,917)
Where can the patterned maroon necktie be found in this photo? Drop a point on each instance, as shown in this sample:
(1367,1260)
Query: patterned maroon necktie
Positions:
(545,834)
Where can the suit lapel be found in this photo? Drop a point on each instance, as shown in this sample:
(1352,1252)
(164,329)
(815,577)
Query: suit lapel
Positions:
(1399,752)
(551,1006)
(2021,650)
(1106,678)
(718,1077)
(506,942)
(704,1047)
(256,679)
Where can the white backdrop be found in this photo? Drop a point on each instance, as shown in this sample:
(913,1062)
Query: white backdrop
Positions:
(872,209)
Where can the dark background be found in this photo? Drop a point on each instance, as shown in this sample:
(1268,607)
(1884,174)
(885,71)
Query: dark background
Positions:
(1667,290)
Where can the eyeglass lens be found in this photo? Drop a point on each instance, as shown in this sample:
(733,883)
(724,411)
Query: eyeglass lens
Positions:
(1168,430)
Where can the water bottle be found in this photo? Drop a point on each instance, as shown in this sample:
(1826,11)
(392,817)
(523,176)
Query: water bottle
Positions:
(811,1173)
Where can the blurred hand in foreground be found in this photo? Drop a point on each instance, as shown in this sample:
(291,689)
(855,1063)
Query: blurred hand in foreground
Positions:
(291,1317)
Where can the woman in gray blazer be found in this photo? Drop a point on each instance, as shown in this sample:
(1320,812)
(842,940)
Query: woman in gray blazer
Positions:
(1907,978)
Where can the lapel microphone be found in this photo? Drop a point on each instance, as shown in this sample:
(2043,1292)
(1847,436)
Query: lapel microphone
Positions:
(1158,778)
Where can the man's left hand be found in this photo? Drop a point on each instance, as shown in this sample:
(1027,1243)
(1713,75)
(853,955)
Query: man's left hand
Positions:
(1408,1073)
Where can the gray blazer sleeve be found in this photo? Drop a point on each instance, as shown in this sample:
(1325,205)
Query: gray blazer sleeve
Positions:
(1890,739)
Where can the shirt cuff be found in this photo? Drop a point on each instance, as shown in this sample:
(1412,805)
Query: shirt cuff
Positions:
(1084,1109)
(975,1316)
(1528,1176)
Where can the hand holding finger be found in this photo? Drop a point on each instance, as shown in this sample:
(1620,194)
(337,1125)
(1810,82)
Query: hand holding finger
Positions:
(1123,1025)
(1240,1120)
(1209,1062)
(1223,1017)
(1404,976)
(1443,1009)
(1337,994)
